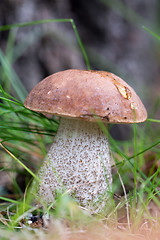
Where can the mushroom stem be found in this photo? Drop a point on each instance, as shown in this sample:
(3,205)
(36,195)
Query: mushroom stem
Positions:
(79,161)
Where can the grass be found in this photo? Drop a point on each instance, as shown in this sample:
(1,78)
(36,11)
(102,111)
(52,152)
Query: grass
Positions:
(133,210)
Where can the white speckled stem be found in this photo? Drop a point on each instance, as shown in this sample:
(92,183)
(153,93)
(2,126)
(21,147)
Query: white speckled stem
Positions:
(78,160)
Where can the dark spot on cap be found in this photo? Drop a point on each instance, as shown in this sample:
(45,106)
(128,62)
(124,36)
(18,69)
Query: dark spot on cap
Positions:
(106,118)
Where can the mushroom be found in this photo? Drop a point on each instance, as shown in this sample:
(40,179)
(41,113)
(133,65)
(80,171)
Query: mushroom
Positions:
(79,158)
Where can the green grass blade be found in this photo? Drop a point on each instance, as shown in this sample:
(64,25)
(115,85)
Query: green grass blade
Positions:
(135,166)
(26,24)
(10,101)
(153,120)
(13,78)
(152,33)
(126,12)
(9,200)
(24,166)
(145,150)
(81,44)
(64,20)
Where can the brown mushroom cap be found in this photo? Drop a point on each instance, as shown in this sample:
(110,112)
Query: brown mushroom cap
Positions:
(86,94)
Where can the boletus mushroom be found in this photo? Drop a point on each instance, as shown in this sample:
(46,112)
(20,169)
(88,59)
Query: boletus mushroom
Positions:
(79,158)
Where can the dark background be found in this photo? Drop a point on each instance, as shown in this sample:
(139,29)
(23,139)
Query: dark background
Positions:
(111,31)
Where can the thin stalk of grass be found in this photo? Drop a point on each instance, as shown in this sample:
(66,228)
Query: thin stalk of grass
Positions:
(65,194)
(22,129)
(122,204)
(118,150)
(153,120)
(128,159)
(126,12)
(38,119)
(10,44)
(24,166)
(137,154)
(10,127)
(111,140)
(80,44)
(143,151)
(24,44)
(141,210)
(64,20)
(151,192)
(13,78)
(32,23)
(155,164)
(126,200)
(6,169)
(135,166)
(10,101)
(9,57)
(8,96)
(155,185)
(151,32)
(31,130)
(20,215)
(155,109)
(4,98)
(9,200)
